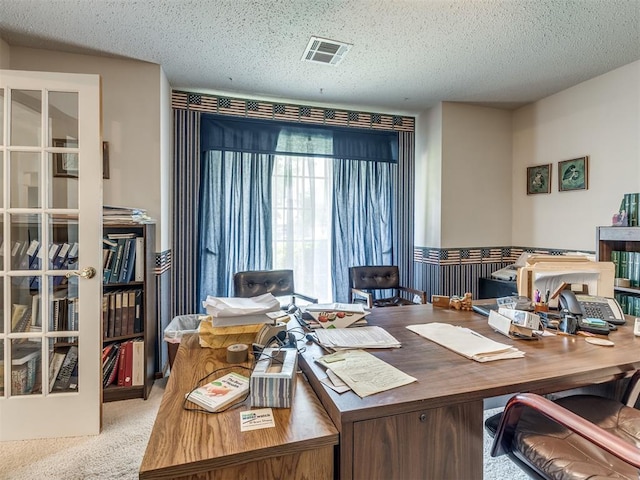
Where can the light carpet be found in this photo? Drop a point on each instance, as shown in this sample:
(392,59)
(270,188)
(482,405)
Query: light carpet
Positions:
(116,454)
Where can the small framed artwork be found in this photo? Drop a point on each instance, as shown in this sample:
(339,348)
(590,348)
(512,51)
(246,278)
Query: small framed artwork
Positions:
(539,179)
(573,174)
(64,164)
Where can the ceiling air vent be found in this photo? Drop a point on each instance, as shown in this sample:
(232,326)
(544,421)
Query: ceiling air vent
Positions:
(329,52)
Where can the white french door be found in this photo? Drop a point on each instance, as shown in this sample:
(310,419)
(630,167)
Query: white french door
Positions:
(50,229)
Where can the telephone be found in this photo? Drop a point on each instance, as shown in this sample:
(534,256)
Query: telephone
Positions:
(592,314)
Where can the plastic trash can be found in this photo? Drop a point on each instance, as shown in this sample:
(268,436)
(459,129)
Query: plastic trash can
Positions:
(179,326)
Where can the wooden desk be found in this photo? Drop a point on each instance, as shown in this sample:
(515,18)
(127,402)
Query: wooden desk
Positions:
(433,428)
(190,445)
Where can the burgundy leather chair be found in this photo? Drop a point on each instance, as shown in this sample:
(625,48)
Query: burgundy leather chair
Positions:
(365,281)
(575,437)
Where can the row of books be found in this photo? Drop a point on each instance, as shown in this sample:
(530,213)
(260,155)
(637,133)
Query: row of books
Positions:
(122,313)
(627,265)
(64,314)
(123,258)
(630,304)
(27,255)
(629,206)
(123,363)
(63,369)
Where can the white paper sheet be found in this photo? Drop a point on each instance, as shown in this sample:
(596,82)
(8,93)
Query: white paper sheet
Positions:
(466,342)
(362,337)
(365,373)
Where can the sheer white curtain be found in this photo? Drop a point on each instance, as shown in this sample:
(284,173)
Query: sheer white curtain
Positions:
(301,213)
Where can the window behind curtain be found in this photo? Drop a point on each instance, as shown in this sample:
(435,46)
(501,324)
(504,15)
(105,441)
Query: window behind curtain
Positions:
(301,201)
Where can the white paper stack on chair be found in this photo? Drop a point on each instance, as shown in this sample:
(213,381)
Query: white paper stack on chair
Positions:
(230,311)
(466,342)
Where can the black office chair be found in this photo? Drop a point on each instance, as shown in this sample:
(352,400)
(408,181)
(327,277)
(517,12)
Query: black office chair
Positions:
(575,437)
(277,282)
(365,281)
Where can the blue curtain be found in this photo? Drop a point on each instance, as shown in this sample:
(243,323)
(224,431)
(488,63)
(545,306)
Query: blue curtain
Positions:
(235,220)
(235,201)
(363,226)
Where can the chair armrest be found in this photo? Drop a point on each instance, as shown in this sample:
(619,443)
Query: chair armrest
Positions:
(513,410)
(420,293)
(630,396)
(368,296)
(305,297)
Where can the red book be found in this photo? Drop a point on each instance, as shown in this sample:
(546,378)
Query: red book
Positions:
(121,364)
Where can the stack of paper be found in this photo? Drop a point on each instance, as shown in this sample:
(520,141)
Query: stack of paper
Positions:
(229,311)
(466,342)
(363,372)
(363,337)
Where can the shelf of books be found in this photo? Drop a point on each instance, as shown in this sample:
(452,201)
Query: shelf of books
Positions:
(33,281)
(621,245)
(129,329)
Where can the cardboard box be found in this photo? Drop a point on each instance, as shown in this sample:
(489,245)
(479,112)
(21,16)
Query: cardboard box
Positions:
(273,381)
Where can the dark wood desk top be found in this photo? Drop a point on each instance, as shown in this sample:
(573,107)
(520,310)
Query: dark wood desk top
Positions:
(551,364)
(188,443)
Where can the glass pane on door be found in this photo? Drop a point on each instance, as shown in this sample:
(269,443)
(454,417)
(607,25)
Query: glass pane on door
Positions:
(24,175)
(26,118)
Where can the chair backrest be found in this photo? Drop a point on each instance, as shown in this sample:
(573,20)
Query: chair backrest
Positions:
(379,277)
(258,282)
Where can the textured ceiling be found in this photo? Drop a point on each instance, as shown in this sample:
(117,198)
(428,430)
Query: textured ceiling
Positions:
(407,55)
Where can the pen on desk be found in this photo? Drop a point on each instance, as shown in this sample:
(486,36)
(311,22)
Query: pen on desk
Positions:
(313,339)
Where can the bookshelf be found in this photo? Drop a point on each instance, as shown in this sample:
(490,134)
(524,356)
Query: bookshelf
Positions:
(621,245)
(129,306)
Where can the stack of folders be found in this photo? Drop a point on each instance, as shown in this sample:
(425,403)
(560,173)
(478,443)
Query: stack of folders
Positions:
(466,342)
(363,337)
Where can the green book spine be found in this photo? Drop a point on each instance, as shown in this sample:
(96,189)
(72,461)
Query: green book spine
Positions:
(635,273)
(631,267)
(627,203)
(633,209)
(624,302)
(624,264)
(636,306)
(615,258)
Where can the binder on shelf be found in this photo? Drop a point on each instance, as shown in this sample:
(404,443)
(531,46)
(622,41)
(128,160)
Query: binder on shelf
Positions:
(137,375)
(124,329)
(128,259)
(138,325)
(115,271)
(63,379)
(139,261)
(117,329)
(131,313)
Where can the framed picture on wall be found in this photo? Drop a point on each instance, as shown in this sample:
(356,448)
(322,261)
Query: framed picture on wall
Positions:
(539,179)
(573,174)
(65,164)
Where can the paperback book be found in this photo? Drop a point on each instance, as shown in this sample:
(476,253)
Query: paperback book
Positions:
(220,393)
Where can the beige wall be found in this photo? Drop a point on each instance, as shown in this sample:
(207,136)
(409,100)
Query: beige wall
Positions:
(463,156)
(132,124)
(428,170)
(599,118)
(4,55)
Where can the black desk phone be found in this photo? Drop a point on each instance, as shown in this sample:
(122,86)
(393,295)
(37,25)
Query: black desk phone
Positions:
(594,314)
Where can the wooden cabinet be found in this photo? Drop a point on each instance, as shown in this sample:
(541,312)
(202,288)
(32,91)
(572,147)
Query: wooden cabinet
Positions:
(129,303)
(621,245)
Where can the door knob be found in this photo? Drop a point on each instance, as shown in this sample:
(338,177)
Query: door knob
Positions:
(88,272)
